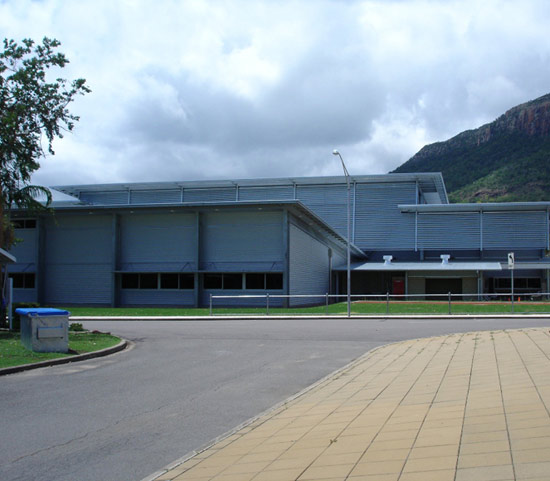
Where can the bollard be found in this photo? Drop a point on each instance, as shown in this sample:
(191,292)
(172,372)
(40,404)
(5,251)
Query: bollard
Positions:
(449,303)
(210,305)
(387,303)
(326,304)
(267,305)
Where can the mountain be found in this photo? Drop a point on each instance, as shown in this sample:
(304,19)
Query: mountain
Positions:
(505,160)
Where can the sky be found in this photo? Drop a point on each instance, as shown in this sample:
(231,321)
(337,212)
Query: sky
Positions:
(231,89)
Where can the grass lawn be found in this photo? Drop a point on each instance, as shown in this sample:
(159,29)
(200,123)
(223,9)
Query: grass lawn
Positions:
(358,308)
(12,352)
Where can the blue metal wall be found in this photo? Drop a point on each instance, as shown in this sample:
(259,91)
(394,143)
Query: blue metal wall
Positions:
(78,259)
(309,271)
(285,192)
(515,230)
(482,231)
(106,198)
(379,225)
(233,241)
(26,252)
(329,202)
(167,196)
(160,297)
(449,231)
(158,242)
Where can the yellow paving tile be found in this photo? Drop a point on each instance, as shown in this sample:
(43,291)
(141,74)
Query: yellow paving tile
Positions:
(434,451)
(319,472)
(442,475)
(374,477)
(404,413)
(378,467)
(532,455)
(484,459)
(330,460)
(385,455)
(531,470)
(485,473)
(430,464)
(485,437)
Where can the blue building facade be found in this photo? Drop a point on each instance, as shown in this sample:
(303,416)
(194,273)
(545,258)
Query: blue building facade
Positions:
(176,243)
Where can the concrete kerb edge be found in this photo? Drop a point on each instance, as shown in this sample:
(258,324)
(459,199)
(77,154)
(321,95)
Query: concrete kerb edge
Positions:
(66,360)
(268,413)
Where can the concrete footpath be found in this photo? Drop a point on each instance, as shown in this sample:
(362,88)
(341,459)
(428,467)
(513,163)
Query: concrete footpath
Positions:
(462,407)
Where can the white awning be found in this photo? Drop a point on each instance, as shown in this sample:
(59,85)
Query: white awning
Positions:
(423,266)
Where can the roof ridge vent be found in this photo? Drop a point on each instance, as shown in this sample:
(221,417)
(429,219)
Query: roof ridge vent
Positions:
(445,259)
(387,260)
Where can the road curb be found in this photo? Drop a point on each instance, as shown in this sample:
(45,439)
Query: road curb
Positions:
(65,360)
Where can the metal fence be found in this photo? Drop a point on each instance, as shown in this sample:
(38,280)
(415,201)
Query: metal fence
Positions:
(381,304)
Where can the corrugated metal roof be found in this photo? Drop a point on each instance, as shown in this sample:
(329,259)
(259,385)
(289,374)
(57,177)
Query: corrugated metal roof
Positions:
(424,266)
(428,182)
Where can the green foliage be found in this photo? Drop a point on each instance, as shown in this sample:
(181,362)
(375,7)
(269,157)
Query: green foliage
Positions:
(504,161)
(76,327)
(358,308)
(32,106)
(16,321)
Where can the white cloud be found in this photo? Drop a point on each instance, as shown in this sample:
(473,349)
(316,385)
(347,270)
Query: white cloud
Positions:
(210,89)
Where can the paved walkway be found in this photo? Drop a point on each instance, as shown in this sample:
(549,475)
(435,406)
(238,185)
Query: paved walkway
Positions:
(463,407)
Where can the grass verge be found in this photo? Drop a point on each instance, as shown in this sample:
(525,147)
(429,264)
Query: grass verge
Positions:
(358,308)
(12,352)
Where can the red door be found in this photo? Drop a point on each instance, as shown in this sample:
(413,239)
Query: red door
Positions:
(398,287)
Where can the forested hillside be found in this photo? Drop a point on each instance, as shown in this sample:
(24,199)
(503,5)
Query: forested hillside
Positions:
(505,160)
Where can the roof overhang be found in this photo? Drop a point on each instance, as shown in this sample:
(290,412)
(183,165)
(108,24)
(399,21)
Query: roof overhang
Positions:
(424,266)
(481,207)
(6,257)
(296,207)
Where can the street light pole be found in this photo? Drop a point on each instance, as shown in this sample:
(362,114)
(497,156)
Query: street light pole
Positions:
(346,173)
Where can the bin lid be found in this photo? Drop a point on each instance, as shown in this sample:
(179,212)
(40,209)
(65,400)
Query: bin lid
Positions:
(41,311)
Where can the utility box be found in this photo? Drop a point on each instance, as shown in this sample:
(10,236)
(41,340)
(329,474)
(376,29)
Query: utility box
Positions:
(44,329)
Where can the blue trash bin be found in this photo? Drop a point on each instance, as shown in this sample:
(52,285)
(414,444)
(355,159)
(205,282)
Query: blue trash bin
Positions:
(44,329)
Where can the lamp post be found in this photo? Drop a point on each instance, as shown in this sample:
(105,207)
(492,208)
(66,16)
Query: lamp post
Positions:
(346,173)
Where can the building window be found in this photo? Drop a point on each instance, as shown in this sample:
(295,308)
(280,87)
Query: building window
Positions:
(177,281)
(213,281)
(228,281)
(255,281)
(271,281)
(155,280)
(23,280)
(169,281)
(524,283)
(24,223)
(260,281)
(129,281)
(148,281)
(233,281)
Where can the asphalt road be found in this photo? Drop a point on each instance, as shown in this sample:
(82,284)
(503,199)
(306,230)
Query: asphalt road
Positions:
(182,384)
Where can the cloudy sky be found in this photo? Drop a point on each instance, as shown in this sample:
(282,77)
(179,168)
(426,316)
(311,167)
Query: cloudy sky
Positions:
(214,89)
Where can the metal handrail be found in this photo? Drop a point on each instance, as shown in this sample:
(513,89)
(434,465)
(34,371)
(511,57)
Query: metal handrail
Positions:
(388,298)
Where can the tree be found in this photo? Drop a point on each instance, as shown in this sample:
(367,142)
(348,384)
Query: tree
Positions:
(32,108)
